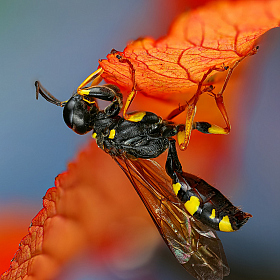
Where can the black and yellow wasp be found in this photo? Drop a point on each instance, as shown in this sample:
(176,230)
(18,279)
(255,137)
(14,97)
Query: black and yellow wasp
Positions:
(185,209)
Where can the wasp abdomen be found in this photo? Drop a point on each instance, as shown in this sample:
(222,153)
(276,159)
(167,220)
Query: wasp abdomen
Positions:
(207,204)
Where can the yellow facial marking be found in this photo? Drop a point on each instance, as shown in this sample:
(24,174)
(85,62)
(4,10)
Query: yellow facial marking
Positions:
(225,225)
(176,187)
(214,129)
(94,135)
(136,117)
(192,204)
(112,134)
(213,214)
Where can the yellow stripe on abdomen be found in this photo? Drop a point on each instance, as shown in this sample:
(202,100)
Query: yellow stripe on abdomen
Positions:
(213,214)
(225,225)
(176,187)
(192,205)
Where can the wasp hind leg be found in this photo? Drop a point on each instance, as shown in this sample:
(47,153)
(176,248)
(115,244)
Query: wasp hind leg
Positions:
(173,165)
(208,128)
(190,108)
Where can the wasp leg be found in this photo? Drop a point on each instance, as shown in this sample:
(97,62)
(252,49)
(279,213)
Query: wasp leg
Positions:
(205,127)
(133,117)
(131,96)
(105,92)
(190,108)
(181,108)
(137,116)
(208,128)
(173,165)
(95,78)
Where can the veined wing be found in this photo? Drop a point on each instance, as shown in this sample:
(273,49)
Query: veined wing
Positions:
(194,245)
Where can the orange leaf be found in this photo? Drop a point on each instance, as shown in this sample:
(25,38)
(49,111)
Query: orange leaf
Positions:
(85,211)
(212,36)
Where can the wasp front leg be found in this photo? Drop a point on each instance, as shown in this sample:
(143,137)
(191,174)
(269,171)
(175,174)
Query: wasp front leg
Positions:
(107,93)
(94,78)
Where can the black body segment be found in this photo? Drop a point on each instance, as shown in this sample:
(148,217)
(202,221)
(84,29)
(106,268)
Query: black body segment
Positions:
(210,205)
(201,200)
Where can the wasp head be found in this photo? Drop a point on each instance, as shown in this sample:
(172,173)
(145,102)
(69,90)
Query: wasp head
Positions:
(79,111)
(79,114)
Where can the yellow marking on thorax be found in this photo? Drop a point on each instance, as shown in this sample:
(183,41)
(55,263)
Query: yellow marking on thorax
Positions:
(94,135)
(192,204)
(136,117)
(176,187)
(112,134)
(225,225)
(213,214)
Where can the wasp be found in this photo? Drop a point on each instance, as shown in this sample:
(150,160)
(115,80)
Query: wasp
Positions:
(186,210)
(190,107)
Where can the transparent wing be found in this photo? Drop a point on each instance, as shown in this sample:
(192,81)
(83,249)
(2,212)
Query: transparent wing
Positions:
(194,245)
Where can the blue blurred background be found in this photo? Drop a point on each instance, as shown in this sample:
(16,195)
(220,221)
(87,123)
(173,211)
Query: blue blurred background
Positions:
(59,43)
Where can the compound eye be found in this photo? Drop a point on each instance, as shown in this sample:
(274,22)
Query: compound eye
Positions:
(78,114)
